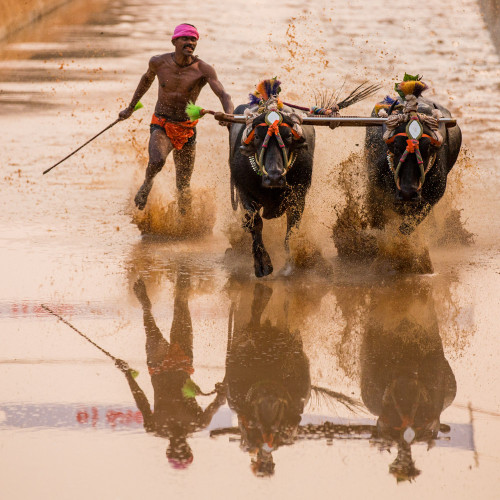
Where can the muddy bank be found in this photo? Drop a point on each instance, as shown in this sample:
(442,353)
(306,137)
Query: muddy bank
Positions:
(15,15)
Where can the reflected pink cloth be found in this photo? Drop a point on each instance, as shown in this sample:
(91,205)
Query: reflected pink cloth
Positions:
(185,30)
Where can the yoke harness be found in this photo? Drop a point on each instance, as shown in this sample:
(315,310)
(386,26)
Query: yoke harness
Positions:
(257,162)
(413,134)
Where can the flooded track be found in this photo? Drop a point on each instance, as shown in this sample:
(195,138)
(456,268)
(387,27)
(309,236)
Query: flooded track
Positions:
(349,345)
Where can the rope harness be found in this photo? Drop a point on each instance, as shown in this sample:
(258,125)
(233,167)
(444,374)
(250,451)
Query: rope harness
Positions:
(257,161)
(412,146)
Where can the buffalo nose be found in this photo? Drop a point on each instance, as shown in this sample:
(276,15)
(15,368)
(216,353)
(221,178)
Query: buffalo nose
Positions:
(408,195)
(273,180)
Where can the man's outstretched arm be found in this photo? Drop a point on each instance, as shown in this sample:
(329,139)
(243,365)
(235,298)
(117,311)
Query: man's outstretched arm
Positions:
(139,397)
(146,81)
(218,88)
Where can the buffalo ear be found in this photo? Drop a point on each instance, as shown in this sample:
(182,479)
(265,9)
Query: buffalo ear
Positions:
(299,145)
(248,149)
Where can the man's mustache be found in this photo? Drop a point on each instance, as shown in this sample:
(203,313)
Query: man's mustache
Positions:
(188,47)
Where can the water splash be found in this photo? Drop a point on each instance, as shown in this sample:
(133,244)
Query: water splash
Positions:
(163,218)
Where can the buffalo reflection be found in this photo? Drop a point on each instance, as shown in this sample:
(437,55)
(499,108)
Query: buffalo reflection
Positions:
(267,376)
(176,412)
(405,378)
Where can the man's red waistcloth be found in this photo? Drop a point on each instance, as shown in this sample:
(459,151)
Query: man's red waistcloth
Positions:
(175,360)
(178,132)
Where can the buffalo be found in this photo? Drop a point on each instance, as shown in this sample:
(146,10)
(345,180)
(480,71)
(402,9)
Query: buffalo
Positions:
(271,169)
(409,158)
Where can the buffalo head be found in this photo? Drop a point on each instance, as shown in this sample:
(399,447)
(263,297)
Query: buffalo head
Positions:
(272,147)
(412,150)
(270,422)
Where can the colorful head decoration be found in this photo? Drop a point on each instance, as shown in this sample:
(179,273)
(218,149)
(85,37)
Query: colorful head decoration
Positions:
(385,104)
(265,90)
(185,30)
(411,85)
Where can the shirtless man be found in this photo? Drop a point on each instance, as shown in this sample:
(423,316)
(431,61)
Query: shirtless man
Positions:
(181,76)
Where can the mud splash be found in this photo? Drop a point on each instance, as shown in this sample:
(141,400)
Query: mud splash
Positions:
(388,249)
(162,218)
(305,253)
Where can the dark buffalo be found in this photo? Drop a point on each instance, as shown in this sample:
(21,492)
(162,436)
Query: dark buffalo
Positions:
(271,172)
(406,187)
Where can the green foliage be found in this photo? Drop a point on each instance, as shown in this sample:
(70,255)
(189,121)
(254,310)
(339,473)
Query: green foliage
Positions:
(411,78)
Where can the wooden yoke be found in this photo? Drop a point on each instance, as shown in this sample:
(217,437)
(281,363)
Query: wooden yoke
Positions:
(342,121)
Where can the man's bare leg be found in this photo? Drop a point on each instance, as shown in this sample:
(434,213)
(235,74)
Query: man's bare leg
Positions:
(184,165)
(159,148)
(156,345)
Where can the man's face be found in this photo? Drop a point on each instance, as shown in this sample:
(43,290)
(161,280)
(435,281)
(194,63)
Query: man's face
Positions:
(185,45)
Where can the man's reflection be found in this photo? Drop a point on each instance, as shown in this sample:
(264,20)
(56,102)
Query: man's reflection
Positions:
(267,376)
(176,412)
(405,379)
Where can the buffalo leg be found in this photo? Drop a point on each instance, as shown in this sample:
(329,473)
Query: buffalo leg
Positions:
(253,222)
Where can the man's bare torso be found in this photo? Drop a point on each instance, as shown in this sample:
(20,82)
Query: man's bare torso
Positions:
(177,85)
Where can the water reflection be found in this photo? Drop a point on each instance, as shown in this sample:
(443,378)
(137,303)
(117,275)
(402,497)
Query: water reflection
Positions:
(268,374)
(406,380)
(176,412)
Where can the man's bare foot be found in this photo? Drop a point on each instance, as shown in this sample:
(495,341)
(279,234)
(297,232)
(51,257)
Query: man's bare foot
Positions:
(141,197)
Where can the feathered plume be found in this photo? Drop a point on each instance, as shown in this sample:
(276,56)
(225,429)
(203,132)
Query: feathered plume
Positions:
(386,103)
(264,90)
(410,85)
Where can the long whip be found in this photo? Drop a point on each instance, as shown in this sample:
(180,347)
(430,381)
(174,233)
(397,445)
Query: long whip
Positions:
(134,373)
(137,106)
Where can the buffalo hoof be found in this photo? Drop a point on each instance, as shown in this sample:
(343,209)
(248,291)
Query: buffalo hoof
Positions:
(262,264)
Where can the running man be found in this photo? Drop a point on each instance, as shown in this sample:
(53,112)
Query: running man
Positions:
(181,76)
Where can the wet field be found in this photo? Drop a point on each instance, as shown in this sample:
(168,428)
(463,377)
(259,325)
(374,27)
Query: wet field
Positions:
(340,331)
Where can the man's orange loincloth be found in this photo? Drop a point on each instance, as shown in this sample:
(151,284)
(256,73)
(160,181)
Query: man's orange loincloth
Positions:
(178,132)
(175,361)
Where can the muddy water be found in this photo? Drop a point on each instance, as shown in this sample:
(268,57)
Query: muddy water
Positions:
(342,339)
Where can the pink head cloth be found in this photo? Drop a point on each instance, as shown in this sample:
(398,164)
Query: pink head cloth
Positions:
(185,30)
